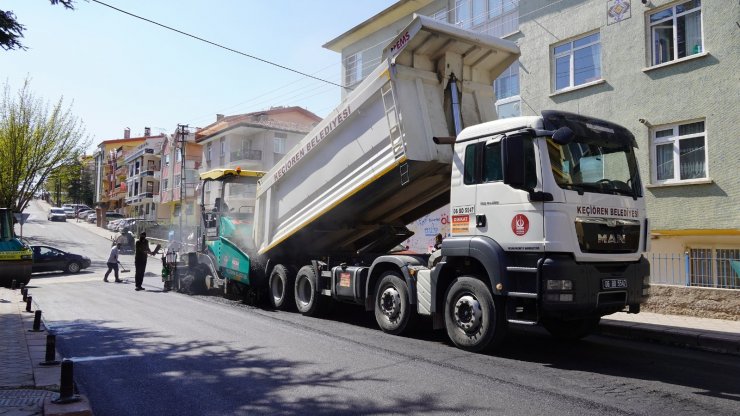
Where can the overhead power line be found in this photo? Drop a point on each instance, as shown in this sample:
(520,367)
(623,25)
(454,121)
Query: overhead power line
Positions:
(217,44)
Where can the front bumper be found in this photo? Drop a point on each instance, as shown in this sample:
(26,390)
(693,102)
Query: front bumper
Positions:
(589,296)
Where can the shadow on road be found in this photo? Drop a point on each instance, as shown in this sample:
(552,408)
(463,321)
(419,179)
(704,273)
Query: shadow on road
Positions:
(149,374)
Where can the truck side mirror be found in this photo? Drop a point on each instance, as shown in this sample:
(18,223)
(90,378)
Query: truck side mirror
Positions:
(563,136)
(513,156)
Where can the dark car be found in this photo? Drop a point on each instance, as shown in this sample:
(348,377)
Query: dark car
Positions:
(50,259)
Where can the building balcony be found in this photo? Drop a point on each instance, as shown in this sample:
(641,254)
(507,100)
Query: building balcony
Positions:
(139,153)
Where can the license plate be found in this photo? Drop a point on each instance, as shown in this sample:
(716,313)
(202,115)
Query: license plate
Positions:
(614,283)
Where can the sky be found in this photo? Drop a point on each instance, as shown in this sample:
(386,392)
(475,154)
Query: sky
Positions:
(116,71)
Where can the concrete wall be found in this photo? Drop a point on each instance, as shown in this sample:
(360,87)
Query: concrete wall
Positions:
(694,301)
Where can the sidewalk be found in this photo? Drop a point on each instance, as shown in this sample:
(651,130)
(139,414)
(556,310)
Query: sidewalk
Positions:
(26,387)
(715,335)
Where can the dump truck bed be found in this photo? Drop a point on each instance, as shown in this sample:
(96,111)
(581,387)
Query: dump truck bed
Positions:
(371,166)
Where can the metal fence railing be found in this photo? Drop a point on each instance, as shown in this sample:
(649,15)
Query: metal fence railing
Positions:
(716,268)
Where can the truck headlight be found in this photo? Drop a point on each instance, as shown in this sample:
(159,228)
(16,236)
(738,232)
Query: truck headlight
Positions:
(559,285)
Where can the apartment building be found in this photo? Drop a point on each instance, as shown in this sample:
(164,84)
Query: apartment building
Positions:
(142,181)
(666,70)
(253,141)
(111,171)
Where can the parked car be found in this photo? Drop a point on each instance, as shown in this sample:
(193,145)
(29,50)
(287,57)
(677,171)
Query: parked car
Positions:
(81,207)
(83,214)
(91,217)
(57,214)
(114,225)
(111,215)
(50,259)
(69,211)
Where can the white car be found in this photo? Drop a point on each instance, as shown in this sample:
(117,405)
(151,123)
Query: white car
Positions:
(57,214)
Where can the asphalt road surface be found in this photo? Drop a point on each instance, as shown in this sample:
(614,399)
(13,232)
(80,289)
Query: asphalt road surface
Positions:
(151,352)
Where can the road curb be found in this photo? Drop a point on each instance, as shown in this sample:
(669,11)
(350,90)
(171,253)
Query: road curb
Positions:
(47,378)
(705,340)
(79,408)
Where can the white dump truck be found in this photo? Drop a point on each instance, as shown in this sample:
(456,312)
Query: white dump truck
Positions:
(548,215)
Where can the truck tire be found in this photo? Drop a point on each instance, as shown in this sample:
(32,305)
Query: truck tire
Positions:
(474,319)
(570,330)
(281,288)
(307,299)
(392,309)
(194,282)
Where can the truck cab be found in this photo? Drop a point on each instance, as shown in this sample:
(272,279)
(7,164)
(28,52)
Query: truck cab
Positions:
(551,210)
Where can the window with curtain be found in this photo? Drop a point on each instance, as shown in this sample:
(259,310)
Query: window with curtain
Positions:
(577,62)
(679,153)
(279,143)
(676,32)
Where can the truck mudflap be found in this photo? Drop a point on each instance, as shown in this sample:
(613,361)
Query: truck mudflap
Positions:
(571,290)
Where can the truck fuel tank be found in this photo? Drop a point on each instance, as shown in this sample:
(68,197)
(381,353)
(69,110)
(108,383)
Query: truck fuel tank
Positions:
(348,283)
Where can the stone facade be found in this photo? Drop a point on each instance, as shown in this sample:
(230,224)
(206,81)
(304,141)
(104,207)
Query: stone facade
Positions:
(694,301)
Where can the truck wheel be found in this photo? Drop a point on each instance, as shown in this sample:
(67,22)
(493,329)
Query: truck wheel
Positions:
(194,282)
(281,288)
(392,309)
(570,330)
(473,318)
(307,299)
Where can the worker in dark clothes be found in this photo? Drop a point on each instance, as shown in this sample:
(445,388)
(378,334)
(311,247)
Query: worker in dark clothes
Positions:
(141,252)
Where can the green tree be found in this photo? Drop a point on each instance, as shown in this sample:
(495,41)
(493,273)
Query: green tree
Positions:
(36,140)
(11,31)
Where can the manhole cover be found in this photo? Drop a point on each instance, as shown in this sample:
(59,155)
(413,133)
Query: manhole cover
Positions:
(23,398)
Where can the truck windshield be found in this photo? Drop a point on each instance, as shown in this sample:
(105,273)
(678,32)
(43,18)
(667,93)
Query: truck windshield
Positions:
(585,165)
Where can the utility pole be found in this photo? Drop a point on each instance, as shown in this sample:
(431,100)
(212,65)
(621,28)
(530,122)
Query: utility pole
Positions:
(183,134)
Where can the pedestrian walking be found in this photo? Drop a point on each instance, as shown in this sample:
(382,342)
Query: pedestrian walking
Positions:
(113,263)
(140,256)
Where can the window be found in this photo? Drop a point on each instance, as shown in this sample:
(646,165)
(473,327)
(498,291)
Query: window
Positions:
(494,17)
(492,164)
(167,160)
(679,153)
(353,69)
(208,152)
(469,176)
(165,184)
(484,163)
(577,62)
(243,190)
(223,146)
(714,267)
(440,15)
(506,88)
(676,32)
(279,145)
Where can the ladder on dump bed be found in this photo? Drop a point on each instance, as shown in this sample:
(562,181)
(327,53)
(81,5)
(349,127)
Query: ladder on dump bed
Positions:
(394,127)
